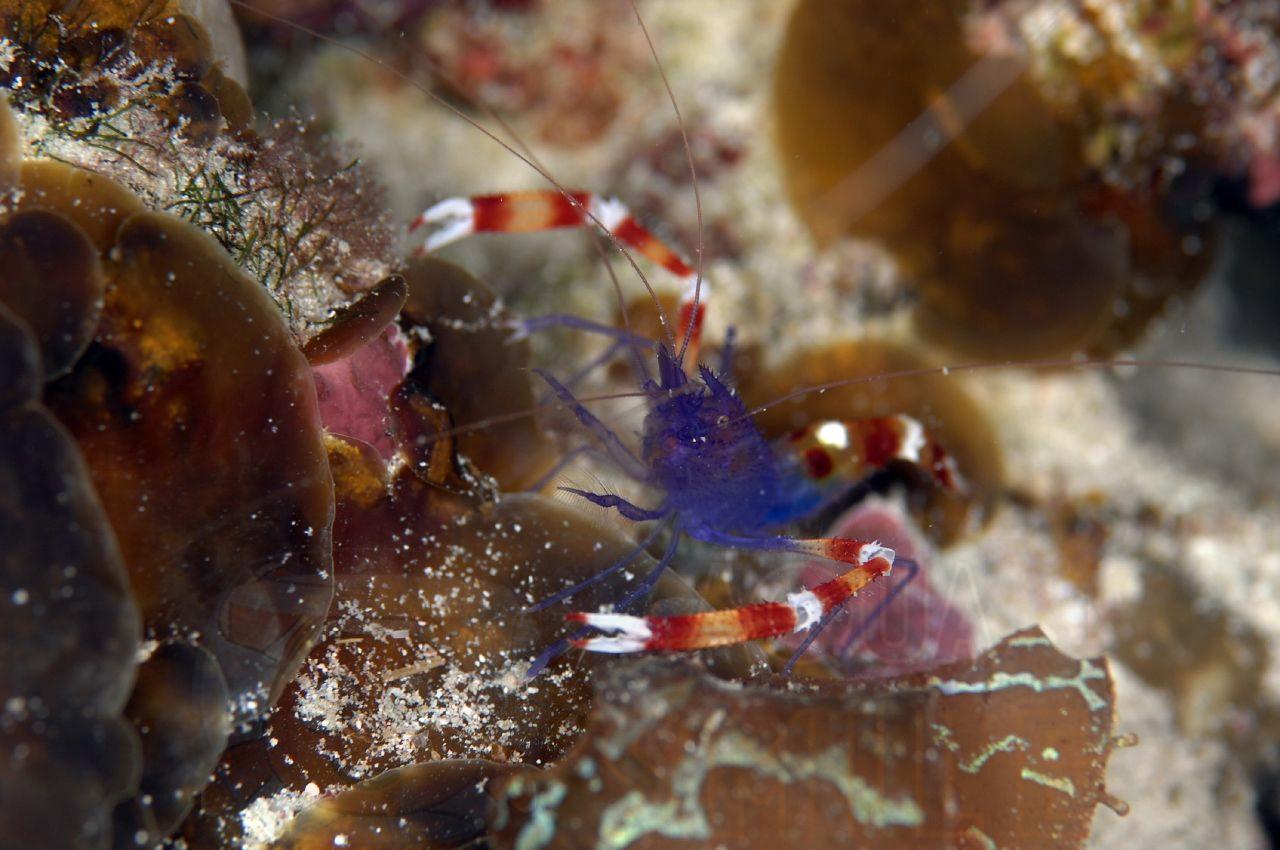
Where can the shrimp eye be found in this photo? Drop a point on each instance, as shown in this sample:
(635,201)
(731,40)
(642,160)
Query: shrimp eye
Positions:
(722,421)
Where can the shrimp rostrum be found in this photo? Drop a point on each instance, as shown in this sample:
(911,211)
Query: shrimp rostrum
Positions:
(717,478)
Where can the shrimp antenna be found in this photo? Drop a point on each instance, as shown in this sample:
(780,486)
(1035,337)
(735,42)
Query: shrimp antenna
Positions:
(527,158)
(990,366)
(528,412)
(693,175)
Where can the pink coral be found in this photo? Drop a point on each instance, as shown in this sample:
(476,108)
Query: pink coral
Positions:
(353,391)
(919,629)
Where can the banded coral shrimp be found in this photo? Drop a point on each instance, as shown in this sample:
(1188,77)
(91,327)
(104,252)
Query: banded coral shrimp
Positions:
(720,481)
(702,434)
(996,584)
(786,307)
(1044,455)
(324,483)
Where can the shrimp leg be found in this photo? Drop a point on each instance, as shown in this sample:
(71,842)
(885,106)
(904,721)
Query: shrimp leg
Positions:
(635,553)
(558,648)
(621,505)
(524,327)
(618,452)
(835,452)
(539,209)
(560,466)
(802,610)
(912,570)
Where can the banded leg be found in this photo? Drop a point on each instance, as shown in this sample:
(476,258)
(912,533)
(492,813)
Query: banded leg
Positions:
(558,648)
(834,452)
(535,210)
(912,570)
(802,610)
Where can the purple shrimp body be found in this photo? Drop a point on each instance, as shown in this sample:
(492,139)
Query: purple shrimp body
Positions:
(705,453)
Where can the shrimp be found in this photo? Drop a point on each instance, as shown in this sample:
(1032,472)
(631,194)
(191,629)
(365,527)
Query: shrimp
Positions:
(717,478)
(720,481)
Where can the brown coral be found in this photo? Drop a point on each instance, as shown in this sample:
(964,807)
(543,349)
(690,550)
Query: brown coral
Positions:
(1006,751)
(176,375)
(1020,245)
(67,636)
